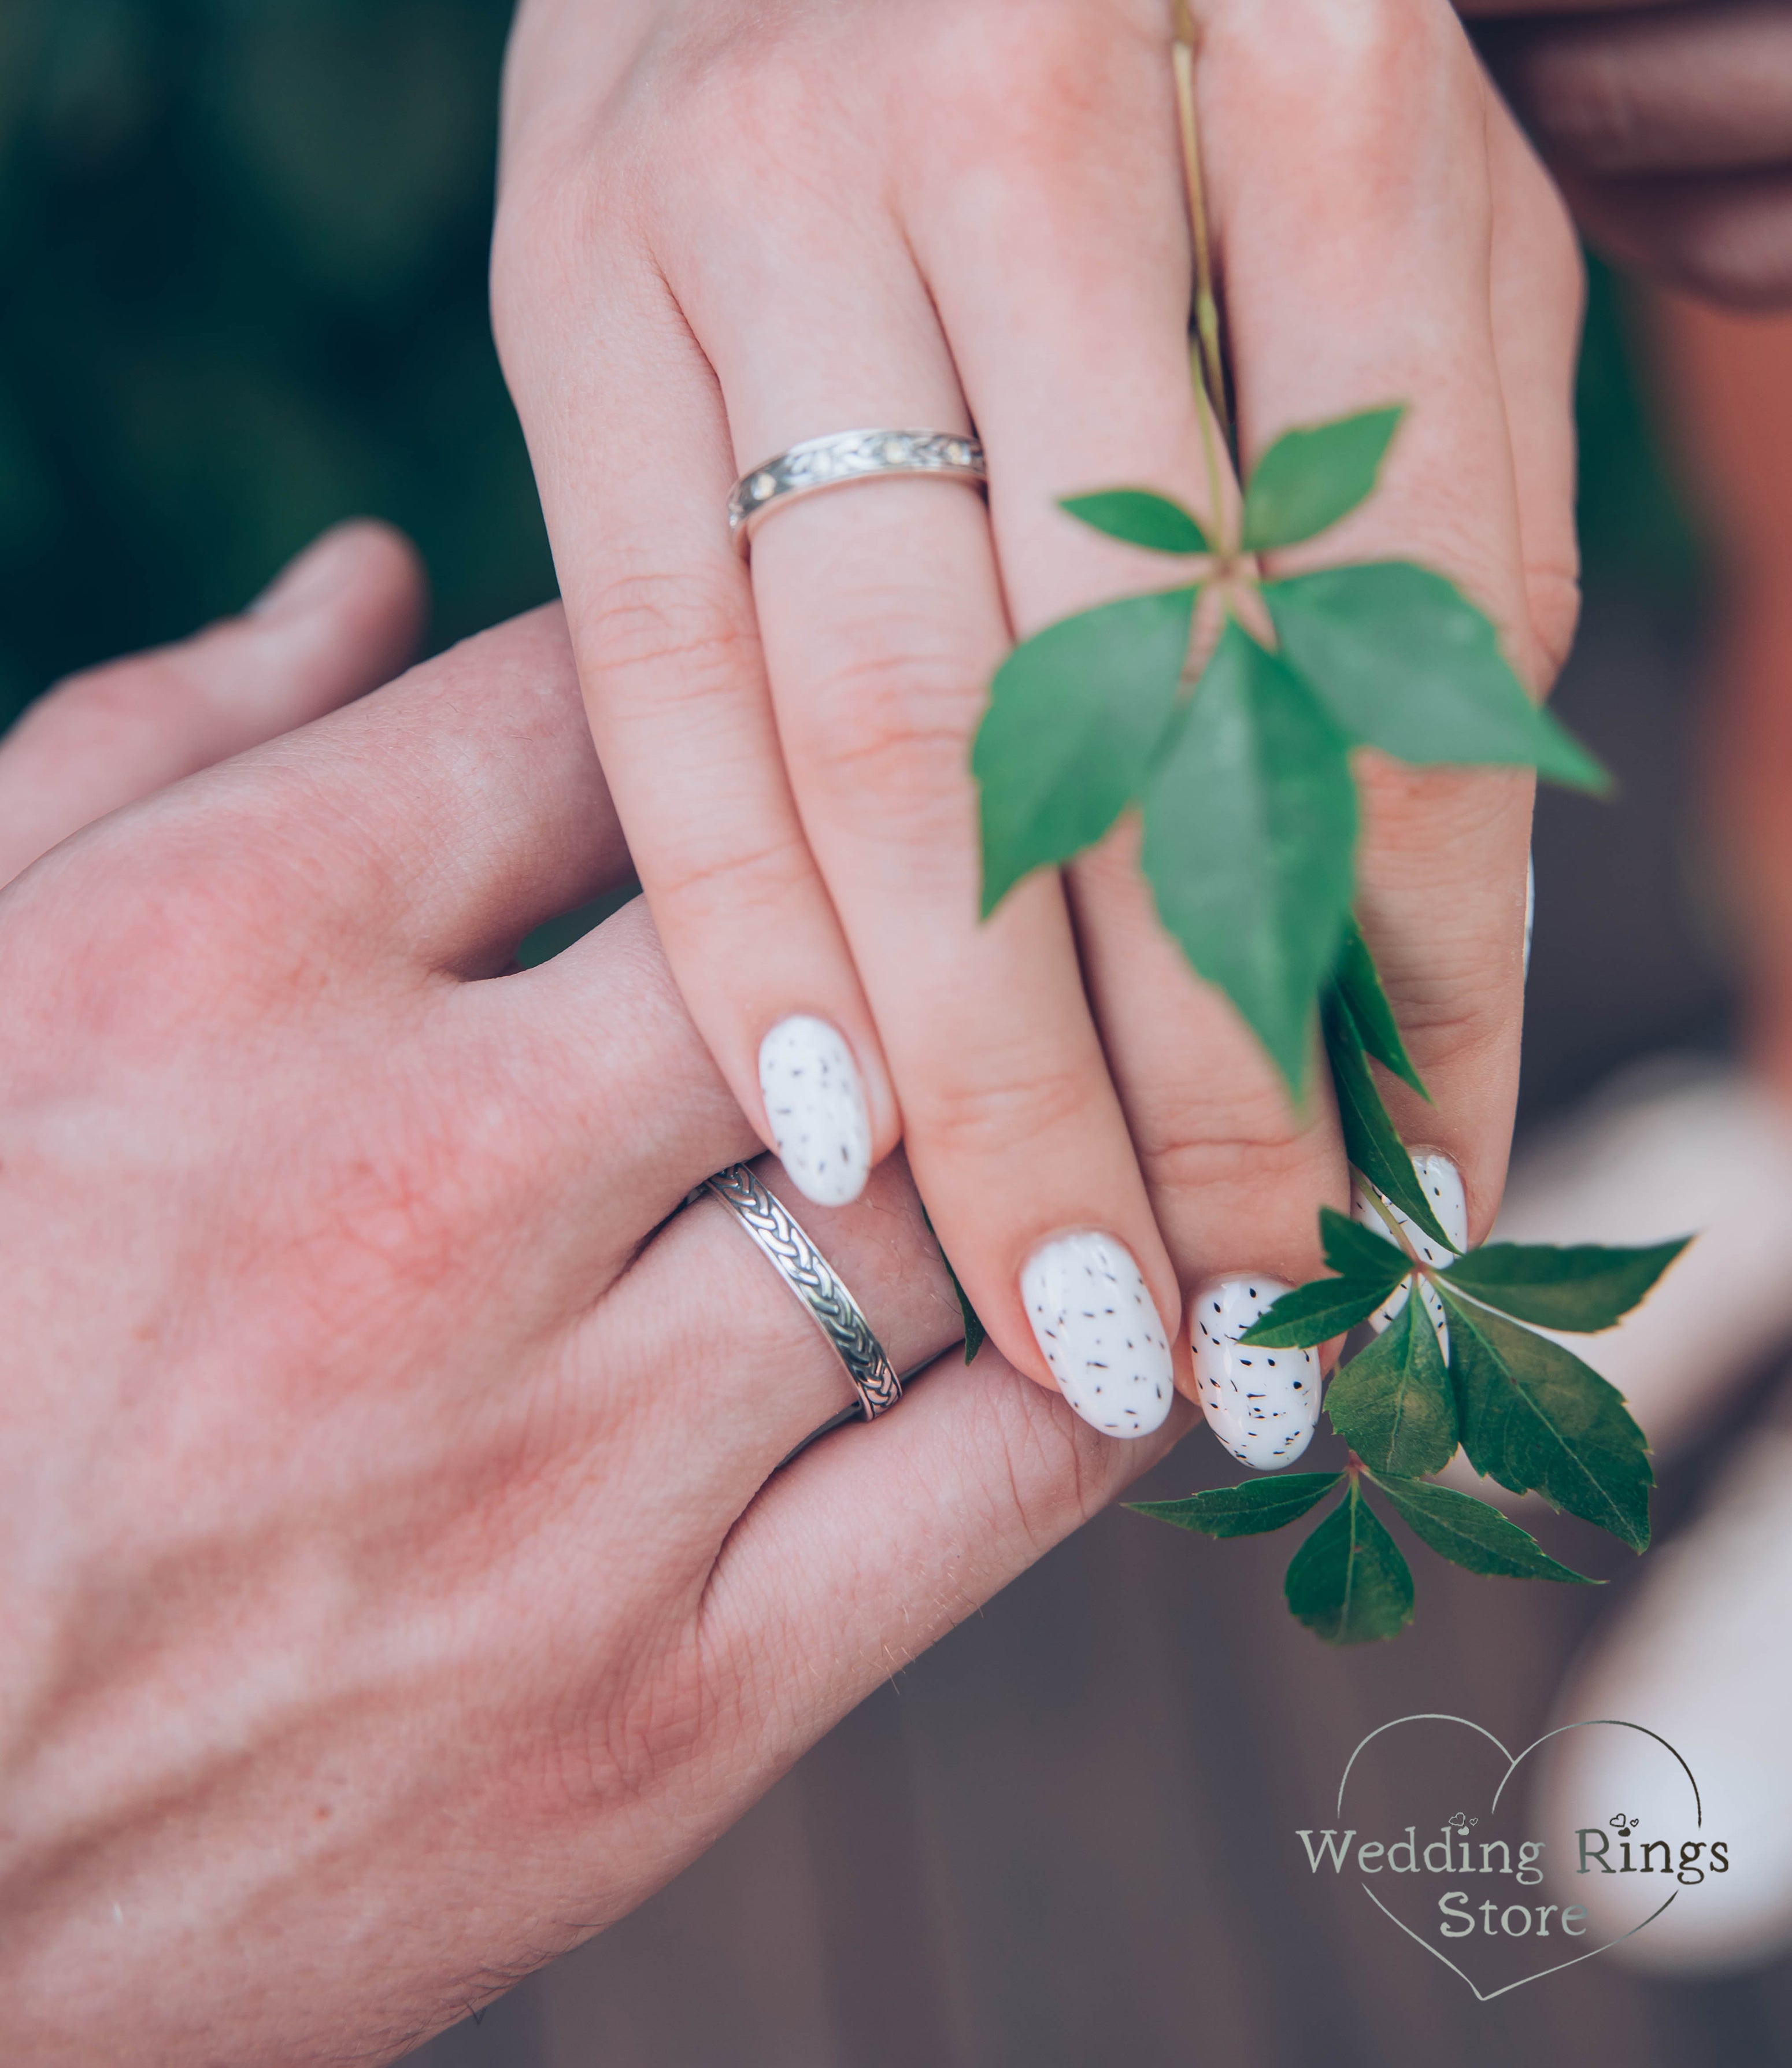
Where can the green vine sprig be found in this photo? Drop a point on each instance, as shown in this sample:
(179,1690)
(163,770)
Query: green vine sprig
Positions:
(1234,746)
(1225,710)
(1525,1410)
(1242,775)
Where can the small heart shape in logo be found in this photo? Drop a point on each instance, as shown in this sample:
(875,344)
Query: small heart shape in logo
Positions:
(1501,1903)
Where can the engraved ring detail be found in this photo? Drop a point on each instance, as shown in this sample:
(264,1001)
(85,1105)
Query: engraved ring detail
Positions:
(847,456)
(815,1283)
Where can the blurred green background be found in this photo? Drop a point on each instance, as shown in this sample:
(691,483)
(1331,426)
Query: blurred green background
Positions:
(243,294)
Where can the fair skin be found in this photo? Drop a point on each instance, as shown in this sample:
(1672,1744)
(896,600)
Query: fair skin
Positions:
(724,228)
(310,1534)
(304,1522)
(399,1584)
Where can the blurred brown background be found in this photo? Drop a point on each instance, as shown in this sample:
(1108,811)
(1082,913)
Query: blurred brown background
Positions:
(241,294)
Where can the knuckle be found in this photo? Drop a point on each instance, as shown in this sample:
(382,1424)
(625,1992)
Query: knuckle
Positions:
(121,694)
(1553,600)
(727,881)
(890,721)
(681,638)
(1195,1145)
(155,937)
(408,1199)
(567,237)
(1463,998)
(1397,39)
(1391,88)
(1472,1022)
(1021,1099)
(617,1742)
(1043,77)
(1379,48)
(1439,825)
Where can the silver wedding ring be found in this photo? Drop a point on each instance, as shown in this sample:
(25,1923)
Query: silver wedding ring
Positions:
(815,1283)
(847,456)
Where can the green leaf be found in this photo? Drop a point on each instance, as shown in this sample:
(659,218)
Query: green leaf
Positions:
(1405,662)
(1141,518)
(1473,1532)
(1370,1140)
(1075,715)
(1348,1581)
(1581,1290)
(1536,1419)
(1249,1509)
(1359,982)
(1368,1269)
(1311,478)
(1315,1313)
(1359,1252)
(976,1334)
(1392,1402)
(1250,837)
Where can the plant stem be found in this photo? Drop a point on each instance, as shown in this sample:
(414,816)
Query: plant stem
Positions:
(1212,378)
(1227,554)
(1392,1221)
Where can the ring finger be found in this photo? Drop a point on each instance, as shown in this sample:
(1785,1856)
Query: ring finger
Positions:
(882,619)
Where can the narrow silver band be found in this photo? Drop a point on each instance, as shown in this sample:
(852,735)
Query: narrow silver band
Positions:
(844,456)
(813,1279)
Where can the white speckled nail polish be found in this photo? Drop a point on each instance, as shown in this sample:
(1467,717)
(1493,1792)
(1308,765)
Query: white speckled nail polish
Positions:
(1096,1322)
(1442,1186)
(1263,1405)
(816,1104)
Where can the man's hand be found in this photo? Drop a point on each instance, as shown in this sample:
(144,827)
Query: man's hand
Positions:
(1670,128)
(399,1583)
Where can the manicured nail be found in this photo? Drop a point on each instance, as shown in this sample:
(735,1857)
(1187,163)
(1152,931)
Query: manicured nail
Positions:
(1442,1183)
(1098,1324)
(816,1103)
(1263,1405)
(305,582)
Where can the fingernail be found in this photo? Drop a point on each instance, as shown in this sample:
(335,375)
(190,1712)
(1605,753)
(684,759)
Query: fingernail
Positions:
(1263,1405)
(1442,1184)
(305,582)
(815,1101)
(1096,1322)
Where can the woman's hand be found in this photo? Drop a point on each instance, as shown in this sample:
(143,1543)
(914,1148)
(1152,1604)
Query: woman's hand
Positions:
(397,1585)
(1670,126)
(725,228)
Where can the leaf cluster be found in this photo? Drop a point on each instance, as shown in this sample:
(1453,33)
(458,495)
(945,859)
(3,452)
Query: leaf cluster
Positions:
(1242,776)
(1230,729)
(1525,1410)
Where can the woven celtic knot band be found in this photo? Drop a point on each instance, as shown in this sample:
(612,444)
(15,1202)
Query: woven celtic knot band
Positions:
(829,462)
(812,1279)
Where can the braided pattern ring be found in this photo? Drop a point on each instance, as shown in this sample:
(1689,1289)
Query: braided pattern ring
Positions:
(815,1282)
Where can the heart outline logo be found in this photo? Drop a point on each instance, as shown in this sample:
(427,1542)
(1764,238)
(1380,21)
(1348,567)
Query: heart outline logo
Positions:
(1513,1762)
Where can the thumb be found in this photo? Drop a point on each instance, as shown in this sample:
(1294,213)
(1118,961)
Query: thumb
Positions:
(342,618)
